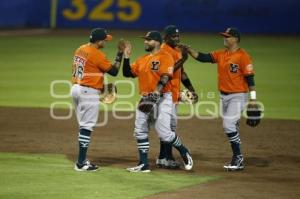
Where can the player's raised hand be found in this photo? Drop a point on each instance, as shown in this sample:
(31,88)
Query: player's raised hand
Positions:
(184,50)
(184,46)
(121,45)
(127,49)
(189,50)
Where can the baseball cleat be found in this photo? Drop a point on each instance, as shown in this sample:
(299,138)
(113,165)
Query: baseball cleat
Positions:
(167,164)
(172,164)
(160,162)
(236,164)
(188,161)
(142,168)
(86,166)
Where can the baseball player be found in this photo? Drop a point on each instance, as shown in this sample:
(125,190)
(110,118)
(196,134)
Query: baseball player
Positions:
(171,40)
(153,71)
(89,66)
(235,80)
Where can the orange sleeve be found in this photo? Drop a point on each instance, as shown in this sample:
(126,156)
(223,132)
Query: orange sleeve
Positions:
(166,65)
(246,65)
(103,63)
(216,55)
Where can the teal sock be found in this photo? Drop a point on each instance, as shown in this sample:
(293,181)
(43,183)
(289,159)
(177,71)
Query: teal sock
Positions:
(179,146)
(235,142)
(84,140)
(143,147)
(169,152)
(162,152)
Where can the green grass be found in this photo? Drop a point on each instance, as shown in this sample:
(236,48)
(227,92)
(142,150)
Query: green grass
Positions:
(51,176)
(30,63)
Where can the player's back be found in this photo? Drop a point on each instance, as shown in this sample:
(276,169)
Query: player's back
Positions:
(89,66)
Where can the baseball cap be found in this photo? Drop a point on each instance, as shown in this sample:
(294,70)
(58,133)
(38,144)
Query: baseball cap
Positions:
(153,35)
(231,32)
(99,34)
(171,30)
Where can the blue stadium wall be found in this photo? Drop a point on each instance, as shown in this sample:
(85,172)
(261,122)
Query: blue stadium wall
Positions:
(251,16)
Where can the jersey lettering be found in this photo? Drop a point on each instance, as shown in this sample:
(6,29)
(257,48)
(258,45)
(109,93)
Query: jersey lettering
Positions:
(155,65)
(78,67)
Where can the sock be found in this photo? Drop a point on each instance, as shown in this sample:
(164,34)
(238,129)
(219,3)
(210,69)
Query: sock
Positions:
(162,152)
(143,147)
(84,140)
(179,146)
(234,139)
(169,152)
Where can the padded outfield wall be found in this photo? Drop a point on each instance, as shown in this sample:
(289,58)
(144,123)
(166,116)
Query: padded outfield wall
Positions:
(251,16)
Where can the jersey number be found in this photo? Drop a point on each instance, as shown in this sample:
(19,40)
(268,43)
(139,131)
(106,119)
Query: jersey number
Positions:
(127,10)
(78,67)
(155,65)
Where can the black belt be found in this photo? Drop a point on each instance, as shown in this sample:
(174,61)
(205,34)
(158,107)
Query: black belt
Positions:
(161,95)
(226,93)
(88,86)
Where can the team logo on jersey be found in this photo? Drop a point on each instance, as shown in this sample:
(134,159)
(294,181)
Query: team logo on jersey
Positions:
(155,65)
(233,68)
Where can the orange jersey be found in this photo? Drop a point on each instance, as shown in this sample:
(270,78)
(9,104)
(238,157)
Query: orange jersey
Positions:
(232,69)
(176,80)
(149,68)
(89,66)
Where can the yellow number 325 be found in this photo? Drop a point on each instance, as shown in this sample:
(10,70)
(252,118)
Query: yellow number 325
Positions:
(100,12)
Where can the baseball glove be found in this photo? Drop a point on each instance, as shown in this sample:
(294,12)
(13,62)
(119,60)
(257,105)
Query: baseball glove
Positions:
(148,102)
(188,97)
(253,115)
(108,93)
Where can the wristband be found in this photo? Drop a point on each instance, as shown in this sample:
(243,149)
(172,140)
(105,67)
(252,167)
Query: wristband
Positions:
(253,95)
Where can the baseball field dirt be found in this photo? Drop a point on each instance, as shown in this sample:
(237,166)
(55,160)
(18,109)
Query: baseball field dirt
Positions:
(271,150)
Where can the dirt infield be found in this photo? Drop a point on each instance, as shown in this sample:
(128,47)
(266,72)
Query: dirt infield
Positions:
(272,151)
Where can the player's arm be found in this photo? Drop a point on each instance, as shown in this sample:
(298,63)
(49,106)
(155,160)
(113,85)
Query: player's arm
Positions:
(148,102)
(253,109)
(114,70)
(166,72)
(248,72)
(186,82)
(127,68)
(201,57)
(251,85)
(161,83)
(179,63)
(127,72)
